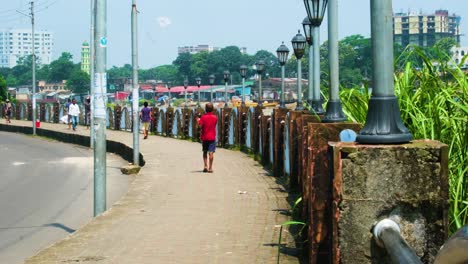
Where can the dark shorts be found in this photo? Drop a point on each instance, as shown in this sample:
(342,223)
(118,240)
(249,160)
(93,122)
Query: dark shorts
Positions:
(209,146)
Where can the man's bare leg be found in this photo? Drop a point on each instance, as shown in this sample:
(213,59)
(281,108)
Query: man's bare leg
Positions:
(211,154)
(205,160)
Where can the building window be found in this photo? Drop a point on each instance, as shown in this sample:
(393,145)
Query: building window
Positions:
(463,53)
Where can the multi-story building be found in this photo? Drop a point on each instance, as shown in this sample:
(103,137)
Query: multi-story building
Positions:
(457,56)
(85,57)
(17,43)
(196,49)
(425,30)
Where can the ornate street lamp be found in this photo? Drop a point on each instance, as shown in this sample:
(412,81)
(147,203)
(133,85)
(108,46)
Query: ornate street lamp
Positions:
(212,80)
(260,66)
(226,75)
(198,81)
(282,53)
(315,11)
(383,123)
(334,110)
(185,88)
(243,73)
(299,43)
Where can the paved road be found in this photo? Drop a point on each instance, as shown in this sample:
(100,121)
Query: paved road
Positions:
(46,192)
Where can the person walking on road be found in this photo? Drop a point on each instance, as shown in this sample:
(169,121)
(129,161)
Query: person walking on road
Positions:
(208,123)
(7,111)
(74,112)
(87,107)
(145,117)
(67,107)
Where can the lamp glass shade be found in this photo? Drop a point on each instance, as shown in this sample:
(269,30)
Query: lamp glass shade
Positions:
(198,81)
(299,43)
(315,11)
(226,74)
(243,71)
(212,79)
(307,29)
(185,83)
(260,65)
(282,53)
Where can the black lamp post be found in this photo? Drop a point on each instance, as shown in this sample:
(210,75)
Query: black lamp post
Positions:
(198,81)
(383,122)
(260,66)
(243,73)
(315,12)
(299,43)
(212,79)
(308,35)
(334,110)
(282,53)
(226,75)
(185,88)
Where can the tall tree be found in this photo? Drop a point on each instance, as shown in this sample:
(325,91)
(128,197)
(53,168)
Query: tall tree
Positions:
(78,81)
(61,68)
(3,89)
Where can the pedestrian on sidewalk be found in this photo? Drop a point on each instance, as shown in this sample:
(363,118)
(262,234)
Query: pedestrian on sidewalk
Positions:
(208,123)
(67,107)
(145,117)
(87,107)
(7,111)
(74,112)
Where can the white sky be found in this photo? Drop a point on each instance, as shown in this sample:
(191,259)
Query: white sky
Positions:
(164,25)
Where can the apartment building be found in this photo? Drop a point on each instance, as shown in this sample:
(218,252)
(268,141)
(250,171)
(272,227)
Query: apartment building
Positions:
(425,30)
(17,43)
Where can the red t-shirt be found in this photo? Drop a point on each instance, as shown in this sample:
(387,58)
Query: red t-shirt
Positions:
(208,124)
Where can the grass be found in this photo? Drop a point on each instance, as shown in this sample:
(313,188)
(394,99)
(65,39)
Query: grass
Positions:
(434,105)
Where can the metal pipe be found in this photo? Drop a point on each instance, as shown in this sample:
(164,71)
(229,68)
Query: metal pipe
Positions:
(454,250)
(282,103)
(100,107)
(260,92)
(334,109)
(91,76)
(310,93)
(316,101)
(33,70)
(135,97)
(387,235)
(299,85)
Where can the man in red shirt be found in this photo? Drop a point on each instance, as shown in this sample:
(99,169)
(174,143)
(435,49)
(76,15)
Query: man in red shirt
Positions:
(208,136)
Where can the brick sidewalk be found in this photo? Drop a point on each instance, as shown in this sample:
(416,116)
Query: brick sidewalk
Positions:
(174,213)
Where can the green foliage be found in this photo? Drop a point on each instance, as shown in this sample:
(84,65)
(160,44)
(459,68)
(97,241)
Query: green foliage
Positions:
(120,72)
(61,69)
(3,89)
(78,81)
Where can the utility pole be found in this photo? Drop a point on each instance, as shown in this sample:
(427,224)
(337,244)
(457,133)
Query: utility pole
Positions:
(136,130)
(33,59)
(100,91)
(91,74)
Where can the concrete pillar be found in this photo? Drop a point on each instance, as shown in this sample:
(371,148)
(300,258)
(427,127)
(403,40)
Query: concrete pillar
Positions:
(407,183)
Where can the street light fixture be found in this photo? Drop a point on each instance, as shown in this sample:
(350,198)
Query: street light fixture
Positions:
(260,65)
(185,88)
(227,75)
(282,53)
(299,43)
(315,12)
(198,81)
(383,123)
(334,110)
(212,80)
(243,73)
(169,89)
